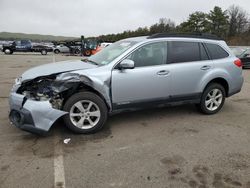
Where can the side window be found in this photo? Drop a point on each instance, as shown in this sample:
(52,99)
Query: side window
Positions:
(216,52)
(23,42)
(180,51)
(150,54)
(203,53)
(18,43)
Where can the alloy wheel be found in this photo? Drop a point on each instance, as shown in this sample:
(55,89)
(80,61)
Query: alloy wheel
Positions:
(213,99)
(85,114)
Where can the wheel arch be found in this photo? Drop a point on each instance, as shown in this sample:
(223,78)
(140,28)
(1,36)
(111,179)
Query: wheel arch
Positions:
(57,50)
(81,87)
(219,80)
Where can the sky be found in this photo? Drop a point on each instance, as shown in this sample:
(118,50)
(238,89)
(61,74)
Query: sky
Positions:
(97,17)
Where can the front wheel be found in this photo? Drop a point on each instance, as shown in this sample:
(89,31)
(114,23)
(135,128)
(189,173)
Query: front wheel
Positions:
(87,112)
(8,51)
(77,51)
(212,99)
(56,51)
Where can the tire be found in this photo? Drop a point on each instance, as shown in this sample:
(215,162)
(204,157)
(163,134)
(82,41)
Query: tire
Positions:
(56,51)
(8,51)
(77,51)
(87,53)
(79,118)
(44,52)
(212,99)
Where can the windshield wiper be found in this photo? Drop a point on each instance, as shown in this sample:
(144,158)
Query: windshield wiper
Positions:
(91,61)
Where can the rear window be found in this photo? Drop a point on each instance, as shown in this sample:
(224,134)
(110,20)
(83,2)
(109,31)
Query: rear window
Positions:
(216,52)
(180,51)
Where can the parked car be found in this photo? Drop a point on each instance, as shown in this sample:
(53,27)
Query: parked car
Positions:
(245,58)
(134,73)
(61,49)
(25,46)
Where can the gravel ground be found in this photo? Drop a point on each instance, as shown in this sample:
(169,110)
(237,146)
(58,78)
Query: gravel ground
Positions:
(168,147)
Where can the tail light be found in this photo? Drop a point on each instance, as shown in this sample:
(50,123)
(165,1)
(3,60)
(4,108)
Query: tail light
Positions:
(238,63)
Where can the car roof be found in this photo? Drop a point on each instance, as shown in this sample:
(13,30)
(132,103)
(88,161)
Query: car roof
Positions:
(147,38)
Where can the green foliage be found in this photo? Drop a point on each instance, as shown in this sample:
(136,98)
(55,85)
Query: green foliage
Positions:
(197,22)
(164,25)
(218,22)
(223,23)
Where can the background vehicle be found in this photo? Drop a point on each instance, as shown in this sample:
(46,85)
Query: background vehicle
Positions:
(130,74)
(91,47)
(61,49)
(245,58)
(105,44)
(25,46)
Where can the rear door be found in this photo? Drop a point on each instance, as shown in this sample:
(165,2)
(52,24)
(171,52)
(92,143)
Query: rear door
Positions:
(188,63)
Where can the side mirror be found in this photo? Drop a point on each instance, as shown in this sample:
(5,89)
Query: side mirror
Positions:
(127,64)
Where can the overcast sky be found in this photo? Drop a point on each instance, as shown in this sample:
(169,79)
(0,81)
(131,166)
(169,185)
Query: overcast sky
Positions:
(96,17)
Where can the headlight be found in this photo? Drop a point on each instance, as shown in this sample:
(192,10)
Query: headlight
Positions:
(18,81)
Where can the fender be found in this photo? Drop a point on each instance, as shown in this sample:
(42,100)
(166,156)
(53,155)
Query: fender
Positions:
(216,73)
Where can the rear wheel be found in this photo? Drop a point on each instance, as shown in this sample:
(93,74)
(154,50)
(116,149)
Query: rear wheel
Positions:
(212,99)
(87,112)
(43,52)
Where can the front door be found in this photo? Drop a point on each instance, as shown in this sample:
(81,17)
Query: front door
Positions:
(147,83)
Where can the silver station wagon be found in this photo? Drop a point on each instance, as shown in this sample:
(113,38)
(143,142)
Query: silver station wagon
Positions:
(135,73)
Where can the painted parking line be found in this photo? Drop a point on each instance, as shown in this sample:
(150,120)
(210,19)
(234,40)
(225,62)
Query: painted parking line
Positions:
(59,175)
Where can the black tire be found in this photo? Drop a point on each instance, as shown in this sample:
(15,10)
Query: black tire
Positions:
(87,53)
(56,51)
(77,51)
(202,106)
(8,51)
(90,97)
(44,52)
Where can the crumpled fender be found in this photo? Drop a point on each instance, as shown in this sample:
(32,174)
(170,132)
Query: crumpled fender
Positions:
(101,84)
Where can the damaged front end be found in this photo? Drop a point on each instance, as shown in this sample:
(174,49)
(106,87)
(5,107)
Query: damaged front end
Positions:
(36,104)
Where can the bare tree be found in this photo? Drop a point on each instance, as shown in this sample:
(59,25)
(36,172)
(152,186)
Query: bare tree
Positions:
(238,20)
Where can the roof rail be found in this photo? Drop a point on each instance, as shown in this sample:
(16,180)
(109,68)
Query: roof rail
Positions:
(185,35)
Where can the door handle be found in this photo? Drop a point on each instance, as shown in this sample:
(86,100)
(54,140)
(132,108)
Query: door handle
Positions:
(162,72)
(205,67)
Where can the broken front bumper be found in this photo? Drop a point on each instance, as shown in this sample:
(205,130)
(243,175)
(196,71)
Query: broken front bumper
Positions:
(30,115)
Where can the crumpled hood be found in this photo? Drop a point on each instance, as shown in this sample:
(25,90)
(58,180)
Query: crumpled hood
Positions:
(54,68)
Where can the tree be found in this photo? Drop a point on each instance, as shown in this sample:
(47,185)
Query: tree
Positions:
(164,25)
(218,22)
(197,22)
(238,20)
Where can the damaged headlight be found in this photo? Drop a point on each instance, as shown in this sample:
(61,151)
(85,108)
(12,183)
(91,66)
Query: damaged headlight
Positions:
(41,89)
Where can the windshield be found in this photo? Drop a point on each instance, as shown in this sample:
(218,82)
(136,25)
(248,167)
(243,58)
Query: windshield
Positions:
(111,52)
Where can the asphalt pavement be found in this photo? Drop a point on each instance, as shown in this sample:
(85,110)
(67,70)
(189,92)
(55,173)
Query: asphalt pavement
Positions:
(173,147)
